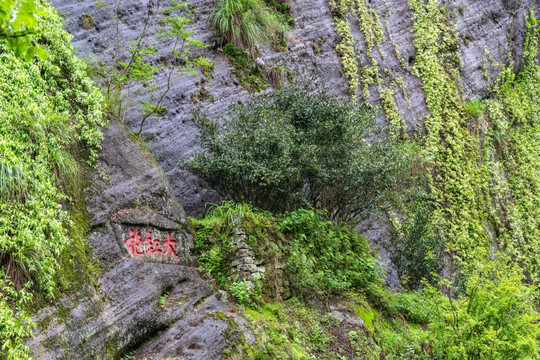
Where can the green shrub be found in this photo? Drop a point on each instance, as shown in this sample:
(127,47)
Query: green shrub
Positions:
(416,247)
(244,23)
(240,291)
(493,318)
(293,148)
(246,293)
(317,256)
(323,258)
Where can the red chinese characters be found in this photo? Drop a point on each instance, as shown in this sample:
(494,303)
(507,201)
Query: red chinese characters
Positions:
(135,245)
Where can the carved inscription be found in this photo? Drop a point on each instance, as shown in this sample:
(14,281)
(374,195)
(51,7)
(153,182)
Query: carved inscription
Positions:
(150,245)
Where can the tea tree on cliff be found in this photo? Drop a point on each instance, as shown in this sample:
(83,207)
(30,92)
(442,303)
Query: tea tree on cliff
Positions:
(294,148)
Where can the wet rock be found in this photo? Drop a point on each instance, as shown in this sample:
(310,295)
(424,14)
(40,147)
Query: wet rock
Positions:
(151,304)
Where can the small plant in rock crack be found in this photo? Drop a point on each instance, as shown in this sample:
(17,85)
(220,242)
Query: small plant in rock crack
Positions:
(136,71)
(163,298)
(87,21)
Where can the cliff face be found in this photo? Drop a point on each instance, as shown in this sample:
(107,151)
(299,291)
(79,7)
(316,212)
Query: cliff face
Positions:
(131,311)
(493,26)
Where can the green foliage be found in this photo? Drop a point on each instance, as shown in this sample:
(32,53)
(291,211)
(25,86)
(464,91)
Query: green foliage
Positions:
(483,195)
(244,23)
(15,321)
(324,258)
(282,10)
(294,329)
(163,298)
(287,330)
(318,257)
(475,108)
(484,183)
(20,27)
(480,192)
(416,247)
(345,50)
(249,73)
(491,314)
(462,174)
(246,293)
(514,138)
(240,291)
(366,70)
(50,115)
(494,318)
(294,148)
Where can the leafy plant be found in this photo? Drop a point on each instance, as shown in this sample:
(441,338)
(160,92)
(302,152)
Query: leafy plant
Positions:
(493,318)
(163,298)
(416,248)
(242,291)
(475,108)
(244,23)
(50,119)
(323,258)
(20,27)
(294,148)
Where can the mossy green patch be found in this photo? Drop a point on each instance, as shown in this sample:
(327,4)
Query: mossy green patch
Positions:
(249,74)
(368,315)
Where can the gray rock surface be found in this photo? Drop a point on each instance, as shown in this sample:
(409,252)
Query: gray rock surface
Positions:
(140,307)
(346,315)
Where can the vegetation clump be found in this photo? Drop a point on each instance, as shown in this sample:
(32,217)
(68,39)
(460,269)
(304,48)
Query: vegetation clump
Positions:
(493,317)
(475,108)
(305,255)
(244,23)
(310,260)
(249,73)
(294,148)
(87,21)
(415,247)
